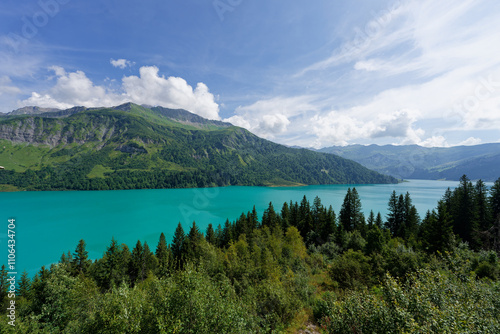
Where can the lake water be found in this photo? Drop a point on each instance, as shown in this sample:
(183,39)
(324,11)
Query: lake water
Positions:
(50,223)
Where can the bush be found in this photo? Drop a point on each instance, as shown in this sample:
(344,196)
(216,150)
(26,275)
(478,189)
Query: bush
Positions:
(428,302)
(351,270)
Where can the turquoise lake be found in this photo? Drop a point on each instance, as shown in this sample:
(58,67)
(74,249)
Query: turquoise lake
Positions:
(50,223)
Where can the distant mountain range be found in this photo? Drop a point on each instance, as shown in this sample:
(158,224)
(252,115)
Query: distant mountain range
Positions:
(417,162)
(131,146)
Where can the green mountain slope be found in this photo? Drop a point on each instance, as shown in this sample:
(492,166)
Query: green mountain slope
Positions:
(412,161)
(131,146)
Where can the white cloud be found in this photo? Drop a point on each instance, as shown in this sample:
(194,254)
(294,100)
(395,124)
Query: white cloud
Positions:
(434,141)
(72,89)
(172,92)
(7,88)
(368,65)
(437,59)
(341,128)
(121,63)
(75,88)
(271,117)
(471,141)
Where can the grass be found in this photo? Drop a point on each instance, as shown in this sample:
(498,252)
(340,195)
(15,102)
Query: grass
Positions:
(8,188)
(98,171)
(279,182)
(19,157)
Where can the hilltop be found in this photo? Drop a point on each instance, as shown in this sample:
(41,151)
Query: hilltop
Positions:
(131,146)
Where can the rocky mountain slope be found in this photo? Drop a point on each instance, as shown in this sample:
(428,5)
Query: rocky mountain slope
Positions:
(132,146)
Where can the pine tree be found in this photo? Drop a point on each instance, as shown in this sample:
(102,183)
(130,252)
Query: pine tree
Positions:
(270,218)
(495,199)
(351,217)
(443,231)
(4,284)
(254,219)
(240,226)
(177,246)
(464,212)
(193,238)
(227,234)
(80,262)
(437,231)
(285,216)
(112,268)
(66,259)
(484,216)
(210,235)
(330,225)
(24,285)
(163,256)
(149,262)
(219,236)
(135,265)
(371,220)
(411,217)
(391,223)
(378,221)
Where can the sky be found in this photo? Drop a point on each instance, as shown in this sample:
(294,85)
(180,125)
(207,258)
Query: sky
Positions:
(307,73)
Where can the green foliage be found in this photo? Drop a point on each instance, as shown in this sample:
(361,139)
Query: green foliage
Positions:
(136,147)
(427,302)
(351,270)
(252,277)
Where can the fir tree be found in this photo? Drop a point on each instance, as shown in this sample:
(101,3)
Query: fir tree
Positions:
(285,216)
(4,284)
(163,255)
(378,221)
(210,235)
(24,285)
(351,217)
(495,199)
(465,212)
(484,216)
(80,262)
(178,247)
(135,265)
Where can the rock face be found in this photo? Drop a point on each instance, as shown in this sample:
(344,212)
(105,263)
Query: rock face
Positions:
(52,132)
(157,148)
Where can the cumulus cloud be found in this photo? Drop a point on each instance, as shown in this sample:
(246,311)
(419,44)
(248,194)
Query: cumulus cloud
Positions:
(121,63)
(343,127)
(471,141)
(72,89)
(75,88)
(271,117)
(172,92)
(434,141)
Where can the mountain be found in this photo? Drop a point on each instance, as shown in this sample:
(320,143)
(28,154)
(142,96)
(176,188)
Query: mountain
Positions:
(417,162)
(132,146)
(30,111)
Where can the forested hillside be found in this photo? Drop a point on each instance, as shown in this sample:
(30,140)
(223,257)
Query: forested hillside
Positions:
(294,266)
(135,147)
(431,163)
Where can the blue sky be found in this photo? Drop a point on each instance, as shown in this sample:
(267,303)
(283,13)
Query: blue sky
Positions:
(312,74)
